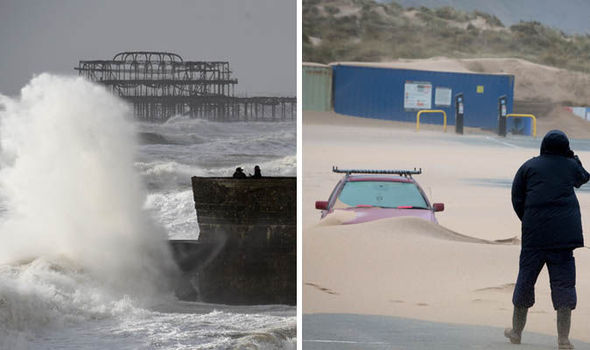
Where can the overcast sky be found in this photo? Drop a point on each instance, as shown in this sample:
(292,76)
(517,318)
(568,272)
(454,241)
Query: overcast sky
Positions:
(257,37)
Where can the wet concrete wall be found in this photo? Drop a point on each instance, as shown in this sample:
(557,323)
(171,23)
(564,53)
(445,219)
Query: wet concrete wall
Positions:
(246,252)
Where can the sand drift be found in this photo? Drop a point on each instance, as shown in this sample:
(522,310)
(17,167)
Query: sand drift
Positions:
(416,227)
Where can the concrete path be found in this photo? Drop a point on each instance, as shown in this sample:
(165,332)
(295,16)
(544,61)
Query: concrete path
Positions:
(346,331)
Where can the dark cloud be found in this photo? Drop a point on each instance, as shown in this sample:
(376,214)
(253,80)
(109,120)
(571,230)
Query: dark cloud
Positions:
(258,37)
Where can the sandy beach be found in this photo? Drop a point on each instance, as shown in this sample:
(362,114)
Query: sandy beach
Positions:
(461,271)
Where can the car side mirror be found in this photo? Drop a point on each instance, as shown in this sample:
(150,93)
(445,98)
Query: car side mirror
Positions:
(438,206)
(322,205)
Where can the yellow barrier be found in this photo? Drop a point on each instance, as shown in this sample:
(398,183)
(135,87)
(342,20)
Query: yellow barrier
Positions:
(431,111)
(515,115)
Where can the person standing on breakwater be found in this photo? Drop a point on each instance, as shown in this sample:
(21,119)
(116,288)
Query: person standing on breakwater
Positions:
(257,173)
(239,174)
(543,197)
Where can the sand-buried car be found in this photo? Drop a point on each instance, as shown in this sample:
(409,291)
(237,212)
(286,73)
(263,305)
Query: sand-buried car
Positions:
(368,195)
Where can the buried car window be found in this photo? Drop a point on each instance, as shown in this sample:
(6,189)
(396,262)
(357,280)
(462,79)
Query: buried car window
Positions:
(380,194)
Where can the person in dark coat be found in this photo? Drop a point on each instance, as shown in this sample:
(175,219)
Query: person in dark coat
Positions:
(257,173)
(239,173)
(543,197)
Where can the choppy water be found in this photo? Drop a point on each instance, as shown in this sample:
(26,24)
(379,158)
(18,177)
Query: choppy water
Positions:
(86,207)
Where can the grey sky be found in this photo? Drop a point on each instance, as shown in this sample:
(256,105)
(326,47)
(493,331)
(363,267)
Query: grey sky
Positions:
(257,37)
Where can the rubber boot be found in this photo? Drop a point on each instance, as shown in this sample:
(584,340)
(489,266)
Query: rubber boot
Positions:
(518,322)
(564,319)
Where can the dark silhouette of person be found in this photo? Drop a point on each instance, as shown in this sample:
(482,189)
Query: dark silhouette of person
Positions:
(239,173)
(543,197)
(257,173)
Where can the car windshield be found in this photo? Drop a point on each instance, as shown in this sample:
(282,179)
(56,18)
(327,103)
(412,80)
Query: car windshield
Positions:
(386,194)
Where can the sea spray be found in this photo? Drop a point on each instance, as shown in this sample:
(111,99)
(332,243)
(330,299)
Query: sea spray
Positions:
(74,235)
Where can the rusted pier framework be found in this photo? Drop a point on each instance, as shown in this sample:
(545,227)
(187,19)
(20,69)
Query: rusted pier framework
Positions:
(160,85)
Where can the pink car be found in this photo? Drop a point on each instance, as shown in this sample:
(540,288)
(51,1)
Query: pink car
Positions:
(379,194)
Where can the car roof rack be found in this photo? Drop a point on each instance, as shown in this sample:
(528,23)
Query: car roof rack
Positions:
(406,173)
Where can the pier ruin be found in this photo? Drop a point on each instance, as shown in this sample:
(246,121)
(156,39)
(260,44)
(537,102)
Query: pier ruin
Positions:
(160,85)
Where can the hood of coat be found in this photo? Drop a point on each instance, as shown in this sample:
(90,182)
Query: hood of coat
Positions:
(555,142)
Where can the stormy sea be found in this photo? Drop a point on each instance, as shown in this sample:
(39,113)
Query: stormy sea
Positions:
(88,198)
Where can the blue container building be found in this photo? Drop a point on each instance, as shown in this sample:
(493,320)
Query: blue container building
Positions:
(398,94)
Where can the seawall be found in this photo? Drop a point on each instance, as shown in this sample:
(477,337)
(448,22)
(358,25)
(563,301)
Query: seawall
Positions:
(247,247)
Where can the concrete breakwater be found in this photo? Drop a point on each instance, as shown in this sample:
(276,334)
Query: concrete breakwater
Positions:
(247,247)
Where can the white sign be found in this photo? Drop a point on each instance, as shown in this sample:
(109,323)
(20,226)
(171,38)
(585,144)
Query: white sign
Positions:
(442,96)
(417,95)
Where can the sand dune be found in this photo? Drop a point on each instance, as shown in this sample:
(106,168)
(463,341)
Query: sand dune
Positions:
(462,271)
(559,118)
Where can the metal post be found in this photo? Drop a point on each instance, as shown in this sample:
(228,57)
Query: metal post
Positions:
(502,115)
(459,110)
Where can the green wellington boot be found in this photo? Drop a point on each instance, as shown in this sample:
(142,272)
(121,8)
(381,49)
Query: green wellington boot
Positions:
(564,320)
(518,322)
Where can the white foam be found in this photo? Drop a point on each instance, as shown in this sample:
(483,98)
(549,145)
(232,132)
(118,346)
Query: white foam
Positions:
(73,198)
(176,211)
